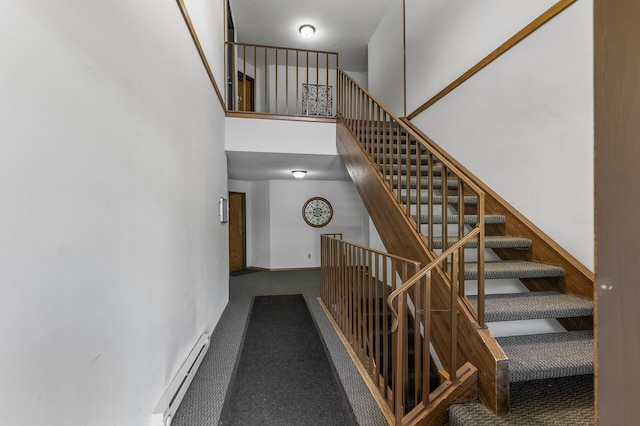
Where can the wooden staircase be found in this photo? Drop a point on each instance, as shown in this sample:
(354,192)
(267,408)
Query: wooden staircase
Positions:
(420,206)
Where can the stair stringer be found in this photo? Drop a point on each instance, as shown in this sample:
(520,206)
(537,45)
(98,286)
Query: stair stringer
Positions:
(400,237)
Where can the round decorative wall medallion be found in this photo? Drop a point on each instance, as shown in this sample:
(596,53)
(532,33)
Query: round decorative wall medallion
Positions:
(317,212)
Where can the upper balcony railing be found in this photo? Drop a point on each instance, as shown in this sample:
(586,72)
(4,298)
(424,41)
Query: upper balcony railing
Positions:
(281,81)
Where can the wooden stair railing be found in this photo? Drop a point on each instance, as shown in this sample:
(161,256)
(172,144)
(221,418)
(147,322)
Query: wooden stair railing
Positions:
(416,294)
(367,294)
(356,282)
(422,202)
(375,164)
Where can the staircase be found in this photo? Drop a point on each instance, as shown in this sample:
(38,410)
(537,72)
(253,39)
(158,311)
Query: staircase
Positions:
(408,170)
(532,357)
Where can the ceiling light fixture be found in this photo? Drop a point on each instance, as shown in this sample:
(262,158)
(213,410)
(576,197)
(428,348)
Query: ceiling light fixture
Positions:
(299,174)
(307,30)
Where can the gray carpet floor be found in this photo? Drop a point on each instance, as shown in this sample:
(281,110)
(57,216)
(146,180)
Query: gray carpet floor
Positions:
(553,402)
(284,375)
(204,400)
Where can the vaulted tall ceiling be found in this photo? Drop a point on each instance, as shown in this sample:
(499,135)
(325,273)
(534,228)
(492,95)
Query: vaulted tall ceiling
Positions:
(343,26)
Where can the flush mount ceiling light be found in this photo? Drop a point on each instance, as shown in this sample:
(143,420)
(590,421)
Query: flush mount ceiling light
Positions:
(299,174)
(307,30)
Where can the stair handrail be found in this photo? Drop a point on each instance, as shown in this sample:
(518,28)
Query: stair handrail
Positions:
(373,108)
(404,288)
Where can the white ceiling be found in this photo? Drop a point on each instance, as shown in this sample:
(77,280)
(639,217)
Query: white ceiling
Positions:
(253,166)
(343,26)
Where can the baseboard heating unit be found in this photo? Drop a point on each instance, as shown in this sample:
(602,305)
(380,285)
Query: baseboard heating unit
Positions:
(165,410)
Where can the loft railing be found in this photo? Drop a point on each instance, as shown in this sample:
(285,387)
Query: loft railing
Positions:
(382,304)
(281,81)
(415,174)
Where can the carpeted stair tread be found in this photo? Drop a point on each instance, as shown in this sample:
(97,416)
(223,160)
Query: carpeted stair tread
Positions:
(533,305)
(489,219)
(437,199)
(512,269)
(490,241)
(567,401)
(545,356)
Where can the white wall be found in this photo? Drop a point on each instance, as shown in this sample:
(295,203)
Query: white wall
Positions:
(524,124)
(277,235)
(385,60)
(292,240)
(293,137)
(447,37)
(362,78)
(208,18)
(259,226)
(112,258)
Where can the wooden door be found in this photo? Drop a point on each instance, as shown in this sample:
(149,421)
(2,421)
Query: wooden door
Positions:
(245,93)
(237,237)
(617,152)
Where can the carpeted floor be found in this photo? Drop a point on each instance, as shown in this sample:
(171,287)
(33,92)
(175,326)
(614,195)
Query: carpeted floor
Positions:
(204,400)
(284,376)
(553,402)
(243,272)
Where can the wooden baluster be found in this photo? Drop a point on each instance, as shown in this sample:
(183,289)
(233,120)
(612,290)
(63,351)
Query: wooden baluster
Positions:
(385,325)
(317,82)
(286,82)
(481,291)
(306,106)
(418,186)
(430,195)
(327,102)
(407,173)
(445,215)
(266,82)
(233,77)
(454,316)
(276,94)
(461,212)
(426,366)
(370,316)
